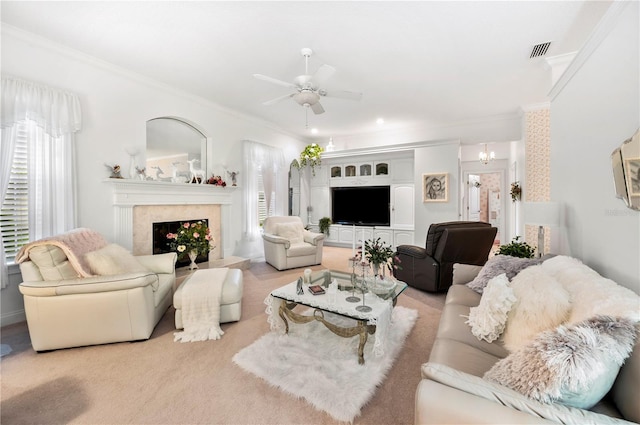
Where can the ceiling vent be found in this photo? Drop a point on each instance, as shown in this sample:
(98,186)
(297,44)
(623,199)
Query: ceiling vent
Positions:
(539,50)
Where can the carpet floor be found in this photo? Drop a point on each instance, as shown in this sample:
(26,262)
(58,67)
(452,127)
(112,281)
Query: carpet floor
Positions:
(159,381)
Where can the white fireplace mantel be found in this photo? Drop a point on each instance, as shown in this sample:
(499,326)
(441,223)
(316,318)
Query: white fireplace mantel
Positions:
(127,193)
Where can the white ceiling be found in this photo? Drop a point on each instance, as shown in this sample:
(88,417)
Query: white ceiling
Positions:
(420,63)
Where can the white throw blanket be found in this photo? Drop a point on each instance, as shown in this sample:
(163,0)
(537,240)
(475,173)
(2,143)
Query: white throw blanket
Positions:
(201,296)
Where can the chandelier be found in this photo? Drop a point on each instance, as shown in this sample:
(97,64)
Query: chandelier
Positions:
(485,156)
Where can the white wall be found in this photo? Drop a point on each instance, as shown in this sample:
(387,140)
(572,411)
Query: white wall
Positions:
(595,106)
(440,158)
(116,106)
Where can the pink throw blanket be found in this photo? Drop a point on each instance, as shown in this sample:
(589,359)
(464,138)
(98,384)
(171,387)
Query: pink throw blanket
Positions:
(75,244)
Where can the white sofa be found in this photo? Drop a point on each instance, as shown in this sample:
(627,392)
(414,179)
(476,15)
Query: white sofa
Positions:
(454,389)
(68,304)
(287,244)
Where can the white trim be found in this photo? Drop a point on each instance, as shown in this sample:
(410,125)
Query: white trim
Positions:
(388,148)
(99,63)
(13,317)
(602,30)
(128,193)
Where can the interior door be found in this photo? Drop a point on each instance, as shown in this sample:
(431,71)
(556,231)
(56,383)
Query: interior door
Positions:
(473,207)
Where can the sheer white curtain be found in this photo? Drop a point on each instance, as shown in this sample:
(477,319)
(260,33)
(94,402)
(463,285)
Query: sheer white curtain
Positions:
(269,161)
(52,116)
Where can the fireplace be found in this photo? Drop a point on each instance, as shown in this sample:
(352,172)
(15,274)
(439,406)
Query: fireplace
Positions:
(161,243)
(138,204)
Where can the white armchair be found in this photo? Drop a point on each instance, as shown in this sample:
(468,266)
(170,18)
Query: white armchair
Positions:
(79,290)
(287,244)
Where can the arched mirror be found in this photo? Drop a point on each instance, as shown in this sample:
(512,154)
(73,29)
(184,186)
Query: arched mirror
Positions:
(294,188)
(175,149)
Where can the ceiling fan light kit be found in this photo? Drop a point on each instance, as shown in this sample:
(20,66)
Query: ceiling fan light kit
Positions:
(309,87)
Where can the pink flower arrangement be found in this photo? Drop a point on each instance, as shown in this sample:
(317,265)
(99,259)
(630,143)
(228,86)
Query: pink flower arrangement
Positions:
(189,238)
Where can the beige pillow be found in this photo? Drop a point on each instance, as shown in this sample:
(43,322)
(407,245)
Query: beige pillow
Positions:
(290,231)
(52,262)
(113,259)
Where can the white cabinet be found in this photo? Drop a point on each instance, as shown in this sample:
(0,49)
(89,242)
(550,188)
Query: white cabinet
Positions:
(403,237)
(321,176)
(402,206)
(385,235)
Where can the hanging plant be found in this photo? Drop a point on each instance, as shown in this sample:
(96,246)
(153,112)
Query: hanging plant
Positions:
(516,191)
(310,155)
(324,224)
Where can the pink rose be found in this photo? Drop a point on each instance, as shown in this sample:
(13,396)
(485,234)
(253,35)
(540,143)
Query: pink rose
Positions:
(186,225)
(196,235)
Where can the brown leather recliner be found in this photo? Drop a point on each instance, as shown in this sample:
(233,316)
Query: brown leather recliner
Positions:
(431,268)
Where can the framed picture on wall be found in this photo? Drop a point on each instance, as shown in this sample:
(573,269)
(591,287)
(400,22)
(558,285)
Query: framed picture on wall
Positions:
(435,187)
(632,168)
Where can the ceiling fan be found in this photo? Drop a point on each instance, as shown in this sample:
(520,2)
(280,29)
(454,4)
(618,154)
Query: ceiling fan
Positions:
(308,88)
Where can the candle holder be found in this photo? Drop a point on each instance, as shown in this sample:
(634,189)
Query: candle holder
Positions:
(364,308)
(353,261)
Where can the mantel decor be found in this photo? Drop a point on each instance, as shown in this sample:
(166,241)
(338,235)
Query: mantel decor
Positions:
(310,155)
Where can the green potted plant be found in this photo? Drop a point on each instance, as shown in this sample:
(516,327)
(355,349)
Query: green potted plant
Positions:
(324,224)
(310,155)
(516,249)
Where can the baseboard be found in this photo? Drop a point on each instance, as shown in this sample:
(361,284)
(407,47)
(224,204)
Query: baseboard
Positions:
(13,317)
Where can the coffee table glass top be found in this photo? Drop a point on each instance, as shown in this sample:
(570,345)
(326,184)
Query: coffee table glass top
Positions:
(378,297)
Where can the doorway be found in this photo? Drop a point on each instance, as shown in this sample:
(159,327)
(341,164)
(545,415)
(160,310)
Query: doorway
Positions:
(484,200)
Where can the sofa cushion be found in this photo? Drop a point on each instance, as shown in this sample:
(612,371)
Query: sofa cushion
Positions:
(502,395)
(575,365)
(291,231)
(542,304)
(301,249)
(52,262)
(453,326)
(460,294)
(496,266)
(489,318)
(113,259)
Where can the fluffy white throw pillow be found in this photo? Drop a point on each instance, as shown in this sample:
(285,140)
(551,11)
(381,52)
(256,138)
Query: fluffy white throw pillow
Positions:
(489,318)
(542,304)
(575,364)
(591,293)
(113,259)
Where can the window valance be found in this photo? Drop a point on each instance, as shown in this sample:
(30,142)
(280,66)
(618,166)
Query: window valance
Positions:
(55,111)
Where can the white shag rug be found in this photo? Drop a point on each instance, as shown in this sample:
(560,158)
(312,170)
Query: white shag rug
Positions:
(313,363)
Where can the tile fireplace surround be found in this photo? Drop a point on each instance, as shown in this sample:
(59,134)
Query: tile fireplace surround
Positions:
(138,204)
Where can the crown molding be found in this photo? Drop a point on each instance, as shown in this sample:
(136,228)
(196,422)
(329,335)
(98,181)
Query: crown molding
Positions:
(604,27)
(63,50)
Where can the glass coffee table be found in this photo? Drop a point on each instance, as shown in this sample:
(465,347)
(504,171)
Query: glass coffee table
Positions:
(380,299)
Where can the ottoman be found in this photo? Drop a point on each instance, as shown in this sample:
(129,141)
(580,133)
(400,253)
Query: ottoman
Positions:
(230,302)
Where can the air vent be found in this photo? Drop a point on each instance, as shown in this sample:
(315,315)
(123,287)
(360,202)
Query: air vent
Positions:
(539,50)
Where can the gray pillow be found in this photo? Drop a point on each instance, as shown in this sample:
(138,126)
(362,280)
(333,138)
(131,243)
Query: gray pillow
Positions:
(575,365)
(498,265)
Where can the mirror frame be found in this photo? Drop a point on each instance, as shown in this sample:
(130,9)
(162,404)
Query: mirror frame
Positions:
(206,150)
(625,162)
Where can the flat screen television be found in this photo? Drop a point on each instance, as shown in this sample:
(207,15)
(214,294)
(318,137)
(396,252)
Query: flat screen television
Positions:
(362,206)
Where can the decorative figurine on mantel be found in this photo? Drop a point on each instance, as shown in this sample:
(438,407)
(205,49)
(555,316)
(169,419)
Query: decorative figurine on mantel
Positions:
(115,171)
(141,172)
(233,175)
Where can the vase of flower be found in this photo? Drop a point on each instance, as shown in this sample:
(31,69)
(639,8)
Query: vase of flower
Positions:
(193,254)
(191,239)
(376,268)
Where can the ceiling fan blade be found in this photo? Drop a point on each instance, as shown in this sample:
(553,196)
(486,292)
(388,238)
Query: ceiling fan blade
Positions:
(274,81)
(323,74)
(317,108)
(278,99)
(342,94)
